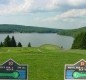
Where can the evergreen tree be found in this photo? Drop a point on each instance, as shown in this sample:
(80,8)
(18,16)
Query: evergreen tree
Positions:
(1,44)
(7,42)
(80,41)
(29,45)
(19,44)
(13,42)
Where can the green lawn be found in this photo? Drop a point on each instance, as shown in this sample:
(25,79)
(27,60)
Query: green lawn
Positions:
(45,63)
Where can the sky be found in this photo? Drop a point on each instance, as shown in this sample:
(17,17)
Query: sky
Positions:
(60,14)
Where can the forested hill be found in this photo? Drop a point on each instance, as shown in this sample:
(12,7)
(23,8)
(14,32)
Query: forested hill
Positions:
(10,28)
(72,32)
(5,28)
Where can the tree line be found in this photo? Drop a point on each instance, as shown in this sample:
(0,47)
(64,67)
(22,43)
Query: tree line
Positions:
(11,28)
(80,41)
(11,42)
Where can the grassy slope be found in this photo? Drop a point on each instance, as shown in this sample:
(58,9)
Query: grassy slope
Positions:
(45,63)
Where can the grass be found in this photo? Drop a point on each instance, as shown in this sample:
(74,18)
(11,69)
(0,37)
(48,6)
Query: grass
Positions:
(45,63)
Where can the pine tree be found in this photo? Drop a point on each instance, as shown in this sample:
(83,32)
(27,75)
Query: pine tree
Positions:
(1,44)
(7,42)
(13,42)
(19,44)
(29,45)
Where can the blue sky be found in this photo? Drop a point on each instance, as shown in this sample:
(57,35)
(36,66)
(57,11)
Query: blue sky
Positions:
(62,14)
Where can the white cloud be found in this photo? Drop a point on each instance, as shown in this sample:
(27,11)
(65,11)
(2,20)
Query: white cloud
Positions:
(70,9)
(67,2)
(14,7)
(69,15)
(57,5)
(76,2)
(47,5)
(54,4)
(40,5)
(74,13)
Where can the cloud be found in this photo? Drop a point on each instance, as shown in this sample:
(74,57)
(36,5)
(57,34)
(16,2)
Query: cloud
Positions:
(54,4)
(76,2)
(69,10)
(68,15)
(74,13)
(42,5)
(57,5)
(47,5)
(14,6)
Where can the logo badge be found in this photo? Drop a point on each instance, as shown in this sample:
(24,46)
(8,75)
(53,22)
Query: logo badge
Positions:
(75,71)
(10,70)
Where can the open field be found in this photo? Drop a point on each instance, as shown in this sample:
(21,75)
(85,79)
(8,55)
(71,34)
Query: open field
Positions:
(45,63)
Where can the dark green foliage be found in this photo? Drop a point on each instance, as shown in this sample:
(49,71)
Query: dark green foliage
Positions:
(7,42)
(19,44)
(72,32)
(25,29)
(29,45)
(80,41)
(6,28)
(1,44)
(13,42)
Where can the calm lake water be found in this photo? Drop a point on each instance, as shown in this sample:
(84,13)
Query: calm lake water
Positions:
(38,39)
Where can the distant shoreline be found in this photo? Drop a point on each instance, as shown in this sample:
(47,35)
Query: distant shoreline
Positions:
(7,28)
(23,32)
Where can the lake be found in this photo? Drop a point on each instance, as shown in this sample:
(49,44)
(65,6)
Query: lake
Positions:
(38,39)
